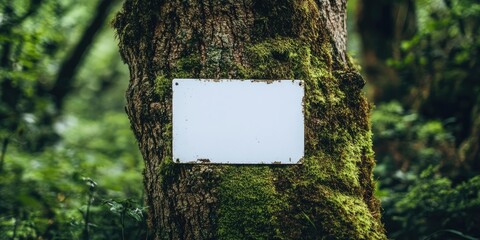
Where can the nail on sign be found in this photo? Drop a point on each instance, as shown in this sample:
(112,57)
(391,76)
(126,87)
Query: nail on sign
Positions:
(230,121)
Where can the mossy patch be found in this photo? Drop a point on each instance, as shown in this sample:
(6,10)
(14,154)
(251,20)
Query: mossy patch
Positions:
(163,86)
(187,66)
(279,58)
(248,201)
(336,215)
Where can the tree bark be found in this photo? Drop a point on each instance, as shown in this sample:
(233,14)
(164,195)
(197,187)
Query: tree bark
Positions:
(329,195)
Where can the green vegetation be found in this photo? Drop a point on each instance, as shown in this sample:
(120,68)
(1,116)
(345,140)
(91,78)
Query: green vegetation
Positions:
(427,141)
(419,182)
(70,167)
(248,203)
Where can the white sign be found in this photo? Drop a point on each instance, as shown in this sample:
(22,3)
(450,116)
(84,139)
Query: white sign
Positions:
(238,121)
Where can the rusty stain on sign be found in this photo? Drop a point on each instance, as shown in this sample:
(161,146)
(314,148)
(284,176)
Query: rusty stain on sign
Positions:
(228,121)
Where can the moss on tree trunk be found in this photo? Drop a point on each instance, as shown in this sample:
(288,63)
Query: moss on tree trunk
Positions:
(330,195)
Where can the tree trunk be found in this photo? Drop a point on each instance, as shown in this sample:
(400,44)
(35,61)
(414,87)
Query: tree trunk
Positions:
(383,25)
(329,195)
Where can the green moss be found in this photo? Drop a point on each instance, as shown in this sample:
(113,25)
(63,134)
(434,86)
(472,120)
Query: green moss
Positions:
(163,86)
(341,168)
(248,201)
(130,25)
(166,170)
(345,217)
(218,64)
(167,133)
(279,58)
(338,142)
(187,66)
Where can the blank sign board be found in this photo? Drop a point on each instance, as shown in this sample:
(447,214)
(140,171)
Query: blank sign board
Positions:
(238,121)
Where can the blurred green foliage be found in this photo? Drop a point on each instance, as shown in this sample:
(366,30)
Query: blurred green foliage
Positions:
(32,38)
(75,172)
(441,64)
(413,167)
(407,143)
(47,194)
(426,143)
(433,203)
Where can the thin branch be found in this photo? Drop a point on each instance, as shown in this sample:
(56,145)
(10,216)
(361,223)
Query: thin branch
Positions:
(64,81)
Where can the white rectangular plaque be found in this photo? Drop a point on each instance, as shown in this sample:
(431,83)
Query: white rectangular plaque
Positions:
(238,121)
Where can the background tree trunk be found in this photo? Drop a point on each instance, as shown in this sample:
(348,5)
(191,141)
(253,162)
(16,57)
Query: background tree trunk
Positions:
(383,25)
(330,195)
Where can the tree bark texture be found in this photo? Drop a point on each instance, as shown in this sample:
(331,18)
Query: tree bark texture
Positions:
(328,196)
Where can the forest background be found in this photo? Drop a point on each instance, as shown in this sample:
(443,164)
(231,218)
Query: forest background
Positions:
(70,167)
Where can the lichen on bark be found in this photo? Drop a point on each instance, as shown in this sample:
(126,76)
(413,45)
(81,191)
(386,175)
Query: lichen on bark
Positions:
(329,195)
